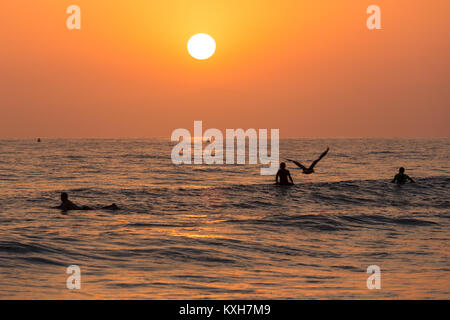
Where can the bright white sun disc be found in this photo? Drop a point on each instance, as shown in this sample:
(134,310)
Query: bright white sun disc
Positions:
(201,46)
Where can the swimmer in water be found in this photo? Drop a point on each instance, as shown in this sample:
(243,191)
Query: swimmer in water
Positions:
(282,176)
(66,204)
(313,164)
(401,177)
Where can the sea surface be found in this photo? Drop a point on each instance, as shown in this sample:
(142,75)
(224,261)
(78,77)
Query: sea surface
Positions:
(224,232)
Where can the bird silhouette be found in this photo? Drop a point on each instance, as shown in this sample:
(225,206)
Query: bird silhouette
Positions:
(310,169)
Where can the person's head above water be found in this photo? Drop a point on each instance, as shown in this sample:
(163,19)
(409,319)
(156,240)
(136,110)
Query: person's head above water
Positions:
(64,196)
(282,165)
(401,170)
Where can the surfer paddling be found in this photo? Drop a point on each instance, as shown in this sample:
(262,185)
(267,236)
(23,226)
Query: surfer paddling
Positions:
(66,204)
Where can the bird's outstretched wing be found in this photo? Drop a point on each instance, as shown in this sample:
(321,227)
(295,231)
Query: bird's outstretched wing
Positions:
(297,163)
(313,164)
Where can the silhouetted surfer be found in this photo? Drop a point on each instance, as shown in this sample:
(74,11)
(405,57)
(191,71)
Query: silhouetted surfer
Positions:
(313,164)
(39,140)
(66,204)
(401,177)
(282,176)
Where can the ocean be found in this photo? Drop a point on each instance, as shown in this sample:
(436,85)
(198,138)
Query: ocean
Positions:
(224,232)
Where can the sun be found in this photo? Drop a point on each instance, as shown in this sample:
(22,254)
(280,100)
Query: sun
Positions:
(201,46)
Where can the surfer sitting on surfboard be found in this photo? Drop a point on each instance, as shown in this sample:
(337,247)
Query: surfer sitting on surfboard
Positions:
(282,176)
(401,177)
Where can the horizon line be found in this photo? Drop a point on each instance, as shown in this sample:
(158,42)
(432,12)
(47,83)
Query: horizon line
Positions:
(287,137)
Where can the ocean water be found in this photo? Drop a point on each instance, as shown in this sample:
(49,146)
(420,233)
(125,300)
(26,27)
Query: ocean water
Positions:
(224,232)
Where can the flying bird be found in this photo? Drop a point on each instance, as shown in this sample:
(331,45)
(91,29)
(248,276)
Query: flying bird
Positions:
(313,164)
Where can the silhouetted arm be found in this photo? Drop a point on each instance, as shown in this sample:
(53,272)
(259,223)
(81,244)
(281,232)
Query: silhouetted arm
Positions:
(276,177)
(394,180)
(290,178)
(69,205)
(111,207)
(410,179)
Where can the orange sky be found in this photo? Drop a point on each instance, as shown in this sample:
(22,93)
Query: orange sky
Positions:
(309,68)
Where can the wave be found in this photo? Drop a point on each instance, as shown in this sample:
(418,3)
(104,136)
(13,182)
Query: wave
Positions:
(332,222)
(144,156)
(427,194)
(23,248)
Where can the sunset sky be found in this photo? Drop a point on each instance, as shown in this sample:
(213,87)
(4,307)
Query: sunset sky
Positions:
(309,68)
